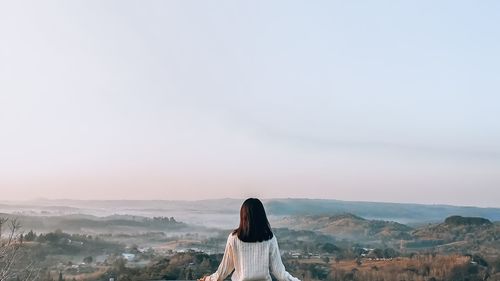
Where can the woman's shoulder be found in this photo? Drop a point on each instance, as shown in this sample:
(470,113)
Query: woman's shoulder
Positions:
(232,237)
(273,239)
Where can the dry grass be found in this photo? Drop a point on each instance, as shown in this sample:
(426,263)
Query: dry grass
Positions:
(173,245)
(82,276)
(420,268)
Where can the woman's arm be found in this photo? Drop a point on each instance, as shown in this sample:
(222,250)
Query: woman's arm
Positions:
(276,264)
(227,264)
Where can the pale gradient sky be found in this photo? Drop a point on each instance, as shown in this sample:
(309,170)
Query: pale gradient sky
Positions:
(356,100)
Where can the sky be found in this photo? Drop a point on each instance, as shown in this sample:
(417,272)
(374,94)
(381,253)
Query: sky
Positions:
(392,101)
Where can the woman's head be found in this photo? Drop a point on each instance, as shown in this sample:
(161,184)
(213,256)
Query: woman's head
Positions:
(254,226)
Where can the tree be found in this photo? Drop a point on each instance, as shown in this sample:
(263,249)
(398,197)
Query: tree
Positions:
(376,253)
(30,236)
(330,248)
(496,265)
(189,274)
(2,222)
(119,264)
(480,260)
(12,254)
(205,264)
(88,260)
(390,253)
(326,259)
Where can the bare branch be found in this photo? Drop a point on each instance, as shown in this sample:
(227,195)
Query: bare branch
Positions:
(12,253)
(2,222)
(14,226)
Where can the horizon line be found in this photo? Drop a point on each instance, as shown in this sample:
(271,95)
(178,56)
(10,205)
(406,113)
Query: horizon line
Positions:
(243,198)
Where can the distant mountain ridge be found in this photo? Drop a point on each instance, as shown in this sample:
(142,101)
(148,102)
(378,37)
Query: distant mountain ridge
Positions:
(411,214)
(399,212)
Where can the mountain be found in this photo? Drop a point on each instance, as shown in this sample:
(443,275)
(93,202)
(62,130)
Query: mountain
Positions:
(82,223)
(348,226)
(224,213)
(459,234)
(400,212)
(457,228)
(459,220)
(455,234)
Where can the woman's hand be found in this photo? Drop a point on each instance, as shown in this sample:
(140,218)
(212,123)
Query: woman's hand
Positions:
(202,278)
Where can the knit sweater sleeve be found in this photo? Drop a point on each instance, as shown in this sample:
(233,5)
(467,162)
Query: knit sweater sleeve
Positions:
(276,264)
(227,264)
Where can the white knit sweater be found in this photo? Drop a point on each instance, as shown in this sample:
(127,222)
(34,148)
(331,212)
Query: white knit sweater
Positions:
(251,261)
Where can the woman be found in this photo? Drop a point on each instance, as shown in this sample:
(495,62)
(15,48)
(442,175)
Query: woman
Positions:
(251,249)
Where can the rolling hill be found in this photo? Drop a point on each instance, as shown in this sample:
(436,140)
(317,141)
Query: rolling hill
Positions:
(348,226)
(458,235)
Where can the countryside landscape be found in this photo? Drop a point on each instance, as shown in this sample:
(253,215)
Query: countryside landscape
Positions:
(135,136)
(184,240)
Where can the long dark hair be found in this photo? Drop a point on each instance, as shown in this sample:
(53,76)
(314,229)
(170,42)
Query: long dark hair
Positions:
(254,226)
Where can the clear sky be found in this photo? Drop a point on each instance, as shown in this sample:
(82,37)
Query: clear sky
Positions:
(356,100)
